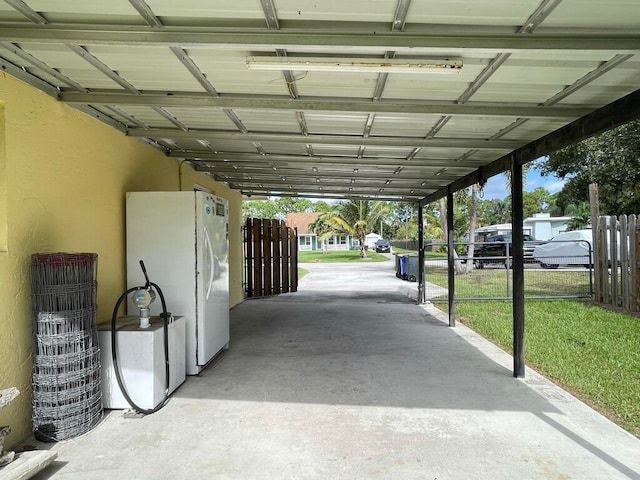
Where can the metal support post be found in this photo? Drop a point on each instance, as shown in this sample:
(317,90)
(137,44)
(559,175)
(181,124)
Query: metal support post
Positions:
(517,219)
(450,260)
(421,292)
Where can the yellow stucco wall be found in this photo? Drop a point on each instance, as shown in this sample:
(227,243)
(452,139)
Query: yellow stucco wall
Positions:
(63,179)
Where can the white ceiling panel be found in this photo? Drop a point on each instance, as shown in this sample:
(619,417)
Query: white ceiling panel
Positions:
(336,10)
(595,14)
(327,123)
(461,12)
(268,121)
(140,67)
(207,9)
(202,118)
(474,127)
(414,126)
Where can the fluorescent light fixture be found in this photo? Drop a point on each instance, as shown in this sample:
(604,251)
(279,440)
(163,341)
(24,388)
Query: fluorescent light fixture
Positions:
(363,64)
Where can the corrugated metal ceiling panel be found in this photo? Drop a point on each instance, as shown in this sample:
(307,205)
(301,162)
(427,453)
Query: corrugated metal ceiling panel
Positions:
(501,86)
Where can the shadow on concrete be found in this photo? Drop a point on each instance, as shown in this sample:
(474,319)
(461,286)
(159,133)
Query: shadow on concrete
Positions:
(367,349)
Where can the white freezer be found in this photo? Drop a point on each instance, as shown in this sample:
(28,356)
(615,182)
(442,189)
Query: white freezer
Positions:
(182,237)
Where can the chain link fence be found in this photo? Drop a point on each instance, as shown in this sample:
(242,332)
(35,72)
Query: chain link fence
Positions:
(552,270)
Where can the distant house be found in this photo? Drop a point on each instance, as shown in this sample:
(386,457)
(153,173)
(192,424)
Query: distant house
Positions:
(543,226)
(309,241)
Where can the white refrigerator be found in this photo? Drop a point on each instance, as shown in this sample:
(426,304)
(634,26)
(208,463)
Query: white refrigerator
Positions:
(183,239)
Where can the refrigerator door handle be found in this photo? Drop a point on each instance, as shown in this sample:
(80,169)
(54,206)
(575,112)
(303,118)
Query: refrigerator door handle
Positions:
(211,262)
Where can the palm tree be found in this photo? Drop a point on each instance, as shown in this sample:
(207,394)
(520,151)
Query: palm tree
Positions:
(355,217)
(580,216)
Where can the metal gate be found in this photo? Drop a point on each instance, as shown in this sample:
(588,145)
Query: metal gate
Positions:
(270,258)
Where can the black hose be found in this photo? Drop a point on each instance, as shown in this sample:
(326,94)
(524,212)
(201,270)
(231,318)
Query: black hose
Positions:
(114,354)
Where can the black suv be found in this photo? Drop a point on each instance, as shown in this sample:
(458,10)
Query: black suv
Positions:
(494,250)
(383,246)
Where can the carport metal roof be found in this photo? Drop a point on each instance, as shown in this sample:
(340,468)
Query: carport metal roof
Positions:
(175,74)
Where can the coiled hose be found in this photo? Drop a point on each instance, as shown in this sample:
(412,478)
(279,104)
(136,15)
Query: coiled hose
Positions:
(114,354)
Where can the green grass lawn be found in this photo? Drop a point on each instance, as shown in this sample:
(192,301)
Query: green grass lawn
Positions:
(591,351)
(426,254)
(302,272)
(340,256)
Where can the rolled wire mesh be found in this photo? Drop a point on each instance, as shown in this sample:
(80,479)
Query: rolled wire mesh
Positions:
(67,399)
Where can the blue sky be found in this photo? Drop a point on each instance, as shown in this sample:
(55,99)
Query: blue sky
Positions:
(497,187)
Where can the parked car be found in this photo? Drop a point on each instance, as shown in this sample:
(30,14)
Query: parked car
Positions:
(568,248)
(494,250)
(383,246)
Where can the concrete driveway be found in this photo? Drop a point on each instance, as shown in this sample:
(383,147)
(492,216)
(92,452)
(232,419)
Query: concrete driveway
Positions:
(348,378)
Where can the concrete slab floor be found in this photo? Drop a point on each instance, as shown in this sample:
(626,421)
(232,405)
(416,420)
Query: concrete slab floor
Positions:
(348,378)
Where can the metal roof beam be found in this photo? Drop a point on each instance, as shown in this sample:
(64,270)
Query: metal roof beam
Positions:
(270,159)
(319,177)
(412,41)
(478,143)
(318,187)
(321,196)
(331,104)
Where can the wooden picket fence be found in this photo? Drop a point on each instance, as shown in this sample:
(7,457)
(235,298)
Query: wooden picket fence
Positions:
(617,261)
(270,258)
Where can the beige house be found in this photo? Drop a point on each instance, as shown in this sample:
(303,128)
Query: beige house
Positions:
(309,241)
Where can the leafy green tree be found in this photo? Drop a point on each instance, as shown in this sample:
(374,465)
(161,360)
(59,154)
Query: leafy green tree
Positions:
(259,209)
(536,201)
(294,204)
(611,159)
(322,206)
(279,207)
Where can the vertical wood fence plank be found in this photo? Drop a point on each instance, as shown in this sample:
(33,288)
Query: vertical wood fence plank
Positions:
(624,262)
(613,235)
(248,255)
(257,258)
(286,286)
(266,256)
(294,260)
(637,263)
(277,263)
(604,258)
(634,267)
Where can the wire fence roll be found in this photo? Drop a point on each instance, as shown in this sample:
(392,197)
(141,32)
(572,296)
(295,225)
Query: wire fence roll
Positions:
(67,399)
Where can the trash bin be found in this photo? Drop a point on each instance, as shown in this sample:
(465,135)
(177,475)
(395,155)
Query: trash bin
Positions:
(403,267)
(412,265)
(398,272)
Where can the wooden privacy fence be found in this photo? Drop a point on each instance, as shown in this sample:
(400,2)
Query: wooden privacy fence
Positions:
(617,261)
(270,257)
